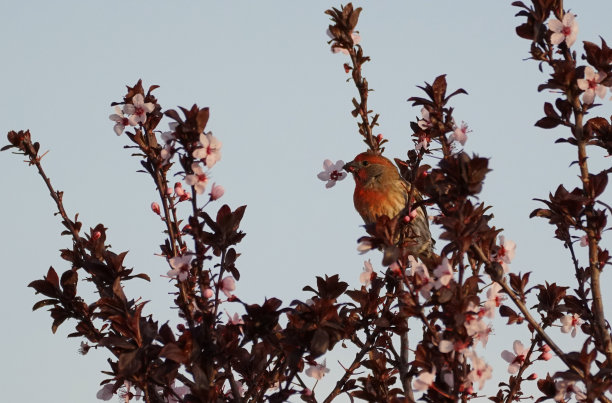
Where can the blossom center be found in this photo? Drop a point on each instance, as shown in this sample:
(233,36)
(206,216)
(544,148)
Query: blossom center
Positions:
(139,110)
(566,31)
(335,175)
(202,178)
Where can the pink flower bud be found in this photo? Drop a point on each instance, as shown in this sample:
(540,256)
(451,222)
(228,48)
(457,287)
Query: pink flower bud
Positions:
(155,208)
(545,356)
(208,293)
(379,137)
(347,68)
(216,192)
(168,191)
(545,348)
(533,376)
(178,189)
(96,235)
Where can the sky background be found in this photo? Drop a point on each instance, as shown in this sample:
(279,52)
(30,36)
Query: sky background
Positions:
(280,104)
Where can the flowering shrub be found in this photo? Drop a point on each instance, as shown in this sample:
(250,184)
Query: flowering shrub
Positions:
(266,353)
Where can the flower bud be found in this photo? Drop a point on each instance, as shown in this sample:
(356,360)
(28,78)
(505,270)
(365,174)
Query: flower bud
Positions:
(216,192)
(155,208)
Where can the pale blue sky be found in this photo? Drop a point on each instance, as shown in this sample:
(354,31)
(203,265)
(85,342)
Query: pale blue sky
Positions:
(280,105)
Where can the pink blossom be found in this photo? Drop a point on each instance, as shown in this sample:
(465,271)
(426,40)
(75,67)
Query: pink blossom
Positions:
(475,325)
(571,322)
(446,346)
(444,274)
(120,121)
(180,267)
(235,319)
(419,270)
(138,110)
(423,143)
(155,208)
(566,388)
(216,192)
(210,152)
(460,133)
(332,172)
(481,371)
(198,179)
(425,380)
(367,274)
(208,293)
(166,153)
(178,189)
(228,284)
(506,253)
(494,300)
(106,393)
(584,241)
(317,371)
(564,30)
(591,86)
(424,123)
(516,359)
(338,49)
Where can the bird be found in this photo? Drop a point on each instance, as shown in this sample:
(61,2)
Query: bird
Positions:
(380,190)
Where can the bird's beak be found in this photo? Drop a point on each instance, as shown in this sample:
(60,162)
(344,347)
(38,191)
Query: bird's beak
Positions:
(350,167)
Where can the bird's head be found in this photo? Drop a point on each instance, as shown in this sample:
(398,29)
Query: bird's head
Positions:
(368,167)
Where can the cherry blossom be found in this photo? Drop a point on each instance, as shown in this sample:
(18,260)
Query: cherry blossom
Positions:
(564,30)
(571,323)
(120,120)
(228,284)
(481,371)
(591,86)
(420,271)
(494,300)
(106,393)
(138,110)
(180,267)
(424,123)
(198,179)
(584,241)
(506,253)
(338,49)
(216,192)
(210,152)
(425,380)
(444,274)
(368,273)
(460,134)
(475,325)
(317,371)
(235,319)
(332,172)
(566,388)
(516,359)
(423,143)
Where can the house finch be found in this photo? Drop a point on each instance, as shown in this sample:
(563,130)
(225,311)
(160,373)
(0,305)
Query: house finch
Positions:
(381,190)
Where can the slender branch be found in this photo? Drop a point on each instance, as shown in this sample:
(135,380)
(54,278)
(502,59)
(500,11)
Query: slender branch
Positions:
(521,306)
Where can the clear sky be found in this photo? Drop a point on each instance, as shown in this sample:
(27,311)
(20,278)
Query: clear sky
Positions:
(280,105)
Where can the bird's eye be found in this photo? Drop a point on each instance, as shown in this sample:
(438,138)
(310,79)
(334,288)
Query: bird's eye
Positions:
(364,163)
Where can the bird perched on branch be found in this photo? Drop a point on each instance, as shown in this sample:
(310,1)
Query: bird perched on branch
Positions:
(381,190)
